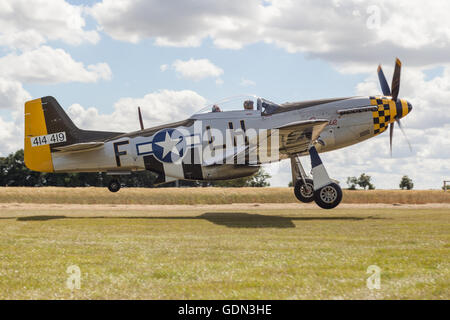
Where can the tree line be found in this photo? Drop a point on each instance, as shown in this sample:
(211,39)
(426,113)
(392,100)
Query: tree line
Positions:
(364,182)
(13,172)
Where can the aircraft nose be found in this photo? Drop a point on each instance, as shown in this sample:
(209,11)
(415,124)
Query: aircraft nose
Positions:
(403,108)
(409,107)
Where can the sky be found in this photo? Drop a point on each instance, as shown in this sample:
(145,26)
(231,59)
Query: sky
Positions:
(102,59)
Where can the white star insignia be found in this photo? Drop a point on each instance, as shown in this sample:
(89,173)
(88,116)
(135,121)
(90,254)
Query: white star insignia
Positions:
(169,145)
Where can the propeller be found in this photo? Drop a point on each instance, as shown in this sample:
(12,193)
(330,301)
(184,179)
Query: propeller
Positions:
(394,94)
(140,118)
(404,134)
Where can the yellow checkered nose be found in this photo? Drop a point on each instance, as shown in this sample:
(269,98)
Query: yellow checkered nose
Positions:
(403,108)
(387,112)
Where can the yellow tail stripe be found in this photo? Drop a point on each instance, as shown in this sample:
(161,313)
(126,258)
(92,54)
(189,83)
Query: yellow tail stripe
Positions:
(37,158)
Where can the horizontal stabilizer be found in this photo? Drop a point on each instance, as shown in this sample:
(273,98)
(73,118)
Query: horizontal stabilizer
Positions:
(80,147)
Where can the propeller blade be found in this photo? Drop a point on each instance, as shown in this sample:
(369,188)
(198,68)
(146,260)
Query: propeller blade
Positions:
(140,118)
(383,83)
(391,135)
(396,79)
(404,134)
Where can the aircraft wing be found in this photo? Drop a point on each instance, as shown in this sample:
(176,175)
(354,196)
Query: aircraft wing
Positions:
(294,138)
(80,147)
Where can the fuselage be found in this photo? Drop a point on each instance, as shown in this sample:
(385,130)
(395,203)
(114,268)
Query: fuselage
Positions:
(350,121)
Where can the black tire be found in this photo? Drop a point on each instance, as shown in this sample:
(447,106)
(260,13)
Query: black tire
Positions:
(114,185)
(304,193)
(329,196)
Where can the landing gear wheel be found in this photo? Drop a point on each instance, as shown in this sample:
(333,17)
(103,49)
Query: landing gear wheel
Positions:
(114,185)
(329,196)
(304,193)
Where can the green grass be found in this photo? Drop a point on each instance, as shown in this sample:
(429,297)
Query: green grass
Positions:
(205,196)
(224,254)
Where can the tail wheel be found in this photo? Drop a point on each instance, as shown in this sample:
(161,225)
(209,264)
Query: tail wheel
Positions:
(114,185)
(329,196)
(304,192)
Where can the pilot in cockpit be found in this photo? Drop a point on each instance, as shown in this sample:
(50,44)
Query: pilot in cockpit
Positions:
(216,108)
(248,105)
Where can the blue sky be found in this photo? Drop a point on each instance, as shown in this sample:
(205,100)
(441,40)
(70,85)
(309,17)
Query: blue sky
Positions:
(102,59)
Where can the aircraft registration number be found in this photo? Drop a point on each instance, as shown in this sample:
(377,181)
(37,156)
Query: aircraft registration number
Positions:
(48,139)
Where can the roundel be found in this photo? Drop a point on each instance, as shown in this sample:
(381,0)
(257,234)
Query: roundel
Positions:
(169,145)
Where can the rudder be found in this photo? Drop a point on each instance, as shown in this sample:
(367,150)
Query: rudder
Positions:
(37,156)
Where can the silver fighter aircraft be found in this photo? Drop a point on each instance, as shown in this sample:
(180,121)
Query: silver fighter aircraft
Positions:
(219,143)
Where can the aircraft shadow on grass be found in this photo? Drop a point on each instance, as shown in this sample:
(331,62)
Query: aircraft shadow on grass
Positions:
(228,219)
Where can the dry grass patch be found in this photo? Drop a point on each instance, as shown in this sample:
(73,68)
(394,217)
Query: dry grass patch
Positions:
(204,196)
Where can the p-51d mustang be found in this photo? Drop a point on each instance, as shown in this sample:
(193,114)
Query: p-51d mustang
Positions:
(219,144)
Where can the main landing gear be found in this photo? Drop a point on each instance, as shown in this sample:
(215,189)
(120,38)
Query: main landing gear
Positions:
(321,189)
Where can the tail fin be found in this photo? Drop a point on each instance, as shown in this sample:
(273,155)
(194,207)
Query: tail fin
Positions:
(47,127)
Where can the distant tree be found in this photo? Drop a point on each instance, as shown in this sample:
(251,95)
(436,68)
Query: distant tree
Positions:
(290,184)
(363,181)
(352,182)
(13,171)
(406,183)
(257,180)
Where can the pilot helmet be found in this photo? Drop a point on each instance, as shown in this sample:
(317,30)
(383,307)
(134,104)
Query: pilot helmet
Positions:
(248,104)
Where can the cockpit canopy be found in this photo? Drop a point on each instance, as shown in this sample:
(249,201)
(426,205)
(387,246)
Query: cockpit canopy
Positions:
(241,103)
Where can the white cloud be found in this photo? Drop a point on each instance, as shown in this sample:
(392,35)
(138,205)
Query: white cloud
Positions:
(26,24)
(163,67)
(247,82)
(170,23)
(197,69)
(335,30)
(12,94)
(48,65)
(157,108)
(22,40)
(11,136)
(187,42)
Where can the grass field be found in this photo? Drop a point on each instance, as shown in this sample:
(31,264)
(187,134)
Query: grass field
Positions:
(223,251)
(205,196)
